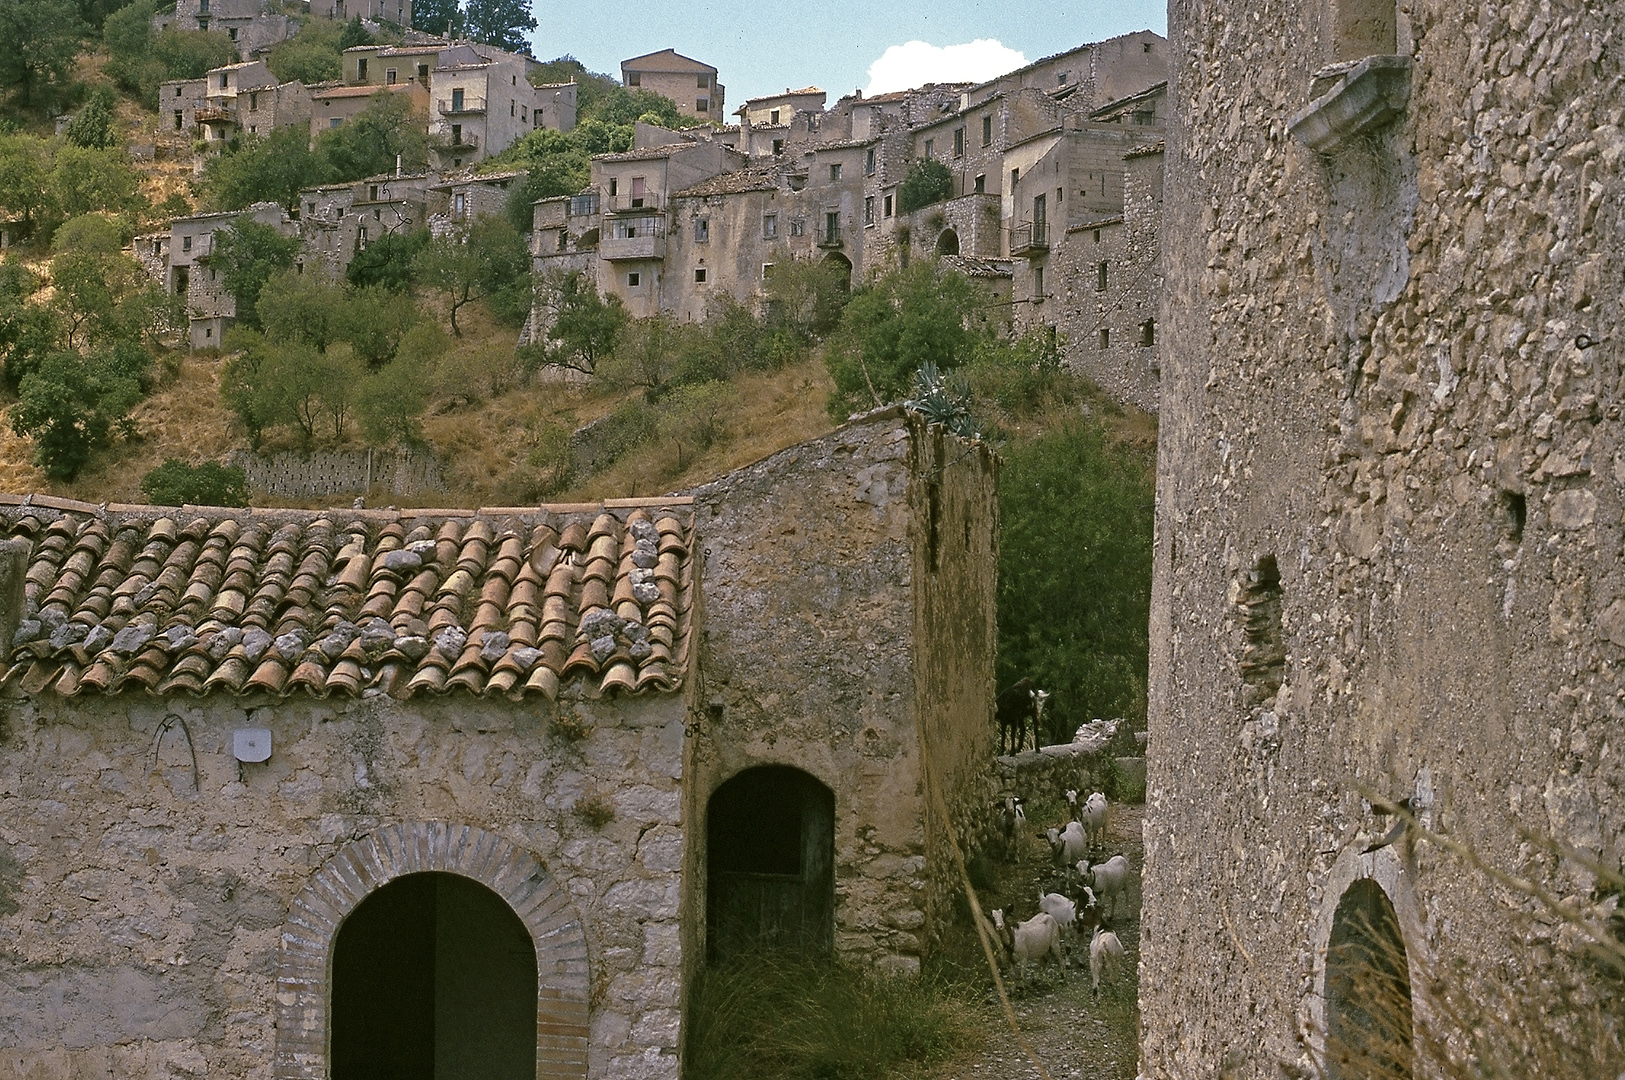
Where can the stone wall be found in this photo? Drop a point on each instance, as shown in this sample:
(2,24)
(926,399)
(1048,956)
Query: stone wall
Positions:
(293,475)
(146,875)
(1391,477)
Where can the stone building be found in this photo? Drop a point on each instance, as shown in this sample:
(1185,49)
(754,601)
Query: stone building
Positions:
(241,99)
(287,790)
(482,102)
(332,106)
(690,83)
(250,24)
(210,308)
(338,220)
(1389,513)
(776,109)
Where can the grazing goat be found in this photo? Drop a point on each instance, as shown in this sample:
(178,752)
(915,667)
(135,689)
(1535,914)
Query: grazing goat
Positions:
(1067,846)
(1109,879)
(1104,951)
(1015,707)
(1065,914)
(1012,816)
(1034,939)
(1093,818)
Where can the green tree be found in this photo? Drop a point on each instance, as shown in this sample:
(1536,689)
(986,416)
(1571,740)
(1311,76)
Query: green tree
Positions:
(24,176)
(805,298)
(273,385)
(502,23)
(583,327)
(391,401)
(41,38)
(311,56)
(301,308)
(888,330)
(191,54)
(1076,625)
(374,321)
(84,180)
(28,332)
(247,254)
(623,106)
(440,17)
(591,87)
(209,483)
(87,289)
(595,136)
(927,182)
(129,38)
(353,34)
(368,143)
(70,405)
(274,168)
(554,165)
(94,234)
(388,262)
(483,261)
(694,418)
(92,126)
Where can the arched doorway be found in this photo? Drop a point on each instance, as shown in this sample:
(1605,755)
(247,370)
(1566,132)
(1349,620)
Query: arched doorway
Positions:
(434,977)
(948,243)
(770,865)
(842,266)
(1368,989)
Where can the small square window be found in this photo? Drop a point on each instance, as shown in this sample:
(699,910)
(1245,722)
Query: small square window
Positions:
(834,172)
(702,230)
(703,82)
(1105,339)
(981,183)
(632,280)
(702,104)
(798,227)
(770,226)
(634,78)
(767,271)
(186,243)
(699,275)
(773,116)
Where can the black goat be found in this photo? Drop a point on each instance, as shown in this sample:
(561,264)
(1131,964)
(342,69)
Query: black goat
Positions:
(1015,708)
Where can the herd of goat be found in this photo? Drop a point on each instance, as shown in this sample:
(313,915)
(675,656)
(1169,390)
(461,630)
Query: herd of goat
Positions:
(1090,894)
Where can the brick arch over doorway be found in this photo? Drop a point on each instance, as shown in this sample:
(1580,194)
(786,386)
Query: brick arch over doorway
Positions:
(305,954)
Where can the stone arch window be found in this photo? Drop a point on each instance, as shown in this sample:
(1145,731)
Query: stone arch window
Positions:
(770,866)
(305,957)
(1368,989)
(948,243)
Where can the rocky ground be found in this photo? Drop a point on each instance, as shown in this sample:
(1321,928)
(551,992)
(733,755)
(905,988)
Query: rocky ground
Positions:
(1073,1032)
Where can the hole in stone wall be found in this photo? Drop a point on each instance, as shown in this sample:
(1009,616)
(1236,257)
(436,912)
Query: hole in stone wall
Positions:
(1263,660)
(1514,512)
(1368,989)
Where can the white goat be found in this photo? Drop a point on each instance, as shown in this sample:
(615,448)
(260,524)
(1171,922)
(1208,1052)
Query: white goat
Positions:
(1093,819)
(1104,951)
(1072,813)
(1065,914)
(1067,845)
(1109,879)
(1034,939)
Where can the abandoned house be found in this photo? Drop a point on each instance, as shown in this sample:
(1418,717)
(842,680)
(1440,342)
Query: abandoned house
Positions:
(691,83)
(1391,487)
(289,793)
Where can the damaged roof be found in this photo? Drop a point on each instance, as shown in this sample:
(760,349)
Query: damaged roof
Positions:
(509,601)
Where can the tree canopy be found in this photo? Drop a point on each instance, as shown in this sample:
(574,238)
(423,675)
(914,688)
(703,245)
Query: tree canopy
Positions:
(928,181)
(503,23)
(891,328)
(247,254)
(40,39)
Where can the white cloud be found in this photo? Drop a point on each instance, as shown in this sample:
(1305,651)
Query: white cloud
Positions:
(915,63)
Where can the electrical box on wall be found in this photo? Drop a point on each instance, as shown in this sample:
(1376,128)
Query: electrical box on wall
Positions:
(251,744)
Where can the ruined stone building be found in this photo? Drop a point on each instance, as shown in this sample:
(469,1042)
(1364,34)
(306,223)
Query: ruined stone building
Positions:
(183,266)
(250,24)
(1389,516)
(294,790)
(238,99)
(691,83)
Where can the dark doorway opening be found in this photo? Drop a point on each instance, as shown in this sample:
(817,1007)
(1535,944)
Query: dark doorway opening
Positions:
(948,243)
(770,873)
(434,977)
(843,265)
(1368,989)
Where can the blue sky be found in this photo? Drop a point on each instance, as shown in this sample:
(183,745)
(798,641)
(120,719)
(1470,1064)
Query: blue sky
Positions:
(761,48)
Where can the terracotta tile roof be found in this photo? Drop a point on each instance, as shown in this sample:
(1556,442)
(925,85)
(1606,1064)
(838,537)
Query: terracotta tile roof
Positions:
(733,183)
(1148,150)
(972,266)
(367,90)
(508,601)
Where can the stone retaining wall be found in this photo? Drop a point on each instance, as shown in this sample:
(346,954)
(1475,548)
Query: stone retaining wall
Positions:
(350,472)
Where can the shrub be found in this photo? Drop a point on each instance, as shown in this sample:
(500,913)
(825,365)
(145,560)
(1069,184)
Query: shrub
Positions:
(177,483)
(888,330)
(71,404)
(388,262)
(928,181)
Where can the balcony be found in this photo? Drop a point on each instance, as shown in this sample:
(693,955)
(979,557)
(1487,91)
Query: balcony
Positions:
(627,248)
(216,114)
(633,204)
(1029,238)
(457,142)
(459,106)
(831,241)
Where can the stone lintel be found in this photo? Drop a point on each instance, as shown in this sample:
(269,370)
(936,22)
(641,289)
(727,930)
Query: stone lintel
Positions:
(1368,95)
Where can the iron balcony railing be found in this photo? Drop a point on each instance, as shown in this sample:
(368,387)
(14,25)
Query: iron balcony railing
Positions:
(461,105)
(1029,236)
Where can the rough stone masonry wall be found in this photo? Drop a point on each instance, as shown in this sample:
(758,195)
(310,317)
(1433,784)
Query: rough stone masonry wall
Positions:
(1397,371)
(293,475)
(954,502)
(142,902)
(808,659)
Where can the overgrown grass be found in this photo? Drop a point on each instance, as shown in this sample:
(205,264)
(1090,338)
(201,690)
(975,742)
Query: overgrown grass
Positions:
(789,1019)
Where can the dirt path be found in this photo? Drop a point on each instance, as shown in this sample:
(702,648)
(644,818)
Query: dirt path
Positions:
(1073,1032)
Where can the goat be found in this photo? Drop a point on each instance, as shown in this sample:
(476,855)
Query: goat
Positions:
(1072,812)
(1067,846)
(1012,816)
(1093,817)
(1065,914)
(1109,879)
(1104,951)
(1014,707)
(1034,939)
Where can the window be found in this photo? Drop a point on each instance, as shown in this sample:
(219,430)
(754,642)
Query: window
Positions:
(1060,195)
(233,33)
(252,129)
(361,69)
(224,79)
(177,119)
(423,71)
(770,226)
(1101,275)
(513,107)
(310,208)
(834,172)
(254,102)
(1105,339)
(987,131)
(363,236)
(634,78)
(702,104)
(1060,79)
(778,146)
(699,275)
(798,227)
(869,210)
(886,208)
(459,205)
(1015,174)
(633,279)
(457,134)
(1038,284)
(177,91)
(703,82)
(981,183)
(930,149)
(208,331)
(613,184)
(1148,46)
(457,100)
(1097,236)
(389,76)
(959,142)
(372,193)
(773,116)
(186,243)
(767,271)
(868,160)
(640,189)
(334,121)
(832,228)
(702,230)
(1148,333)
